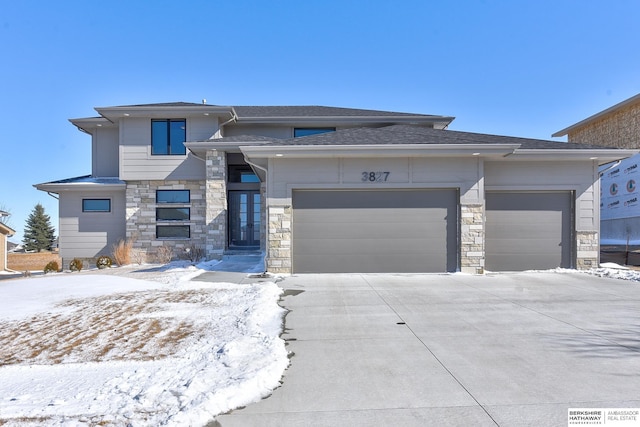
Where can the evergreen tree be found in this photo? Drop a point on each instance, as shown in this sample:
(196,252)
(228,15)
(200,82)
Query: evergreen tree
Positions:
(39,234)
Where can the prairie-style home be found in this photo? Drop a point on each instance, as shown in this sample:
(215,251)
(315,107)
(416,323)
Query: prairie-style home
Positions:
(326,189)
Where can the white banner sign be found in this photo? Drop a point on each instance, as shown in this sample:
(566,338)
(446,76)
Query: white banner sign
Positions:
(619,196)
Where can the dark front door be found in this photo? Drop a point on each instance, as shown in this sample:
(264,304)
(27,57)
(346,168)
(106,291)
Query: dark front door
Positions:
(244,218)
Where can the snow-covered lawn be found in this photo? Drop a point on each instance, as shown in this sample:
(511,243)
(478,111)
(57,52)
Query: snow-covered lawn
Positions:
(103,348)
(96,348)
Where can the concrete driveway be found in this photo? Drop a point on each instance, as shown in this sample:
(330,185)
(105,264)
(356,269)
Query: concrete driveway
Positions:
(415,350)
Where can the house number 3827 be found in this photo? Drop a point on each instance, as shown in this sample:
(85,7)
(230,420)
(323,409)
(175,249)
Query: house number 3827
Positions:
(375,176)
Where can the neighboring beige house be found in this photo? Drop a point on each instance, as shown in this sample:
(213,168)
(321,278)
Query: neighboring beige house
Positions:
(5,232)
(327,189)
(619,127)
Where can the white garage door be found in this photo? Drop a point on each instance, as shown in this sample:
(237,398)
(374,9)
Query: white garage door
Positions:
(375,231)
(528,231)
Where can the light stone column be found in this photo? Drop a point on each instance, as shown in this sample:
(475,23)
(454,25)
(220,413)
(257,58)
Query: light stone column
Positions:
(472,252)
(279,239)
(587,246)
(216,201)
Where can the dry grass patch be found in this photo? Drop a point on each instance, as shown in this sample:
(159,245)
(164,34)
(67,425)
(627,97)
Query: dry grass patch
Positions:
(133,326)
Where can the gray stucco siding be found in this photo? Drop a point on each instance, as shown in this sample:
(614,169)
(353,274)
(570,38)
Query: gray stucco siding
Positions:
(137,162)
(89,234)
(105,149)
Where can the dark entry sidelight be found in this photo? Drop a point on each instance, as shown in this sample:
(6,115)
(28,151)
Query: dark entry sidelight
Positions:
(244,218)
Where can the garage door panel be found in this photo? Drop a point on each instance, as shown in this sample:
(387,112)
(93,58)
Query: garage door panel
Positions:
(526,231)
(402,229)
(375,231)
(408,263)
(380,215)
(371,247)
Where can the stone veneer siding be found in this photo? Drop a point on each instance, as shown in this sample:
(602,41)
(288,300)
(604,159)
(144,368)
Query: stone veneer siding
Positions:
(620,129)
(141,216)
(279,239)
(472,239)
(588,249)
(216,206)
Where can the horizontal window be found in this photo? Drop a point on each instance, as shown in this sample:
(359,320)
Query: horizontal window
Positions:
(172,214)
(168,137)
(242,174)
(298,132)
(96,205)
(172,196)
(173,232)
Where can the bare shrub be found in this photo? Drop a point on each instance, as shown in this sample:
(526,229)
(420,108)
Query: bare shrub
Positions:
(164,254)
(138,256)
(122,252)
(194,253)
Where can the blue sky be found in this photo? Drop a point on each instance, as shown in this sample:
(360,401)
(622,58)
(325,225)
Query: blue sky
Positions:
(521,68)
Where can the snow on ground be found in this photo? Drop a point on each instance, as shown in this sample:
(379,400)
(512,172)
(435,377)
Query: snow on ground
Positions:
(144,345)
(105,349)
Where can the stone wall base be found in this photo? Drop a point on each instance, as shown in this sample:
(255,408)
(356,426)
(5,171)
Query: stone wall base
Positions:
(587,248)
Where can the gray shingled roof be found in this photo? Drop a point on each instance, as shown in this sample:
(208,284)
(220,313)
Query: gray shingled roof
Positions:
(256,111)
(315,111)
(242,138)
(87,179)
(408,134)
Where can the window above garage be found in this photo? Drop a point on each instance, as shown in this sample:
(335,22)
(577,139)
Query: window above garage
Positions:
(298,132)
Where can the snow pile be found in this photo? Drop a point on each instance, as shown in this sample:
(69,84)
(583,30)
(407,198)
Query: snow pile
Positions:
(89,349)
(615,271)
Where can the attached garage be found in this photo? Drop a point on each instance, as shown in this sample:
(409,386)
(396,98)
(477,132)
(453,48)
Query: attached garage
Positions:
(529,230)
(374,231)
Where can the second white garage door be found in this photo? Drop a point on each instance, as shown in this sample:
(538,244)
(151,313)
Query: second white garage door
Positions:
(377,231)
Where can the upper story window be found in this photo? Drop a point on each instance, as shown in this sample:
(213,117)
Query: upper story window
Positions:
(297,132)
(168,136)
(172,196)
(96,205)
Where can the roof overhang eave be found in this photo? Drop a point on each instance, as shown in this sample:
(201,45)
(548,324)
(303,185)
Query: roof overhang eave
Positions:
(89,123)
(115,113)
(78,186)
(6,230)
(599,155)
(379,150)
(200,148)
